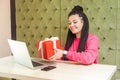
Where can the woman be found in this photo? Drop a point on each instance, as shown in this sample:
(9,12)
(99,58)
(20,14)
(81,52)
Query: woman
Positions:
(81,46)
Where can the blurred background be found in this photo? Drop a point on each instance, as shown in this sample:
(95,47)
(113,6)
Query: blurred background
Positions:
(34,20)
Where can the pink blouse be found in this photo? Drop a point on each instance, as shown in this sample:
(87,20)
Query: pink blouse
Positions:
(89,56)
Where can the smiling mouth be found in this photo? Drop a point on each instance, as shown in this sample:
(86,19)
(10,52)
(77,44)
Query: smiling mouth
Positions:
(73,27)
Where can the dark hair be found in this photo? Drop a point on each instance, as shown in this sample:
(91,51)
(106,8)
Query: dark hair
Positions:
(84,33)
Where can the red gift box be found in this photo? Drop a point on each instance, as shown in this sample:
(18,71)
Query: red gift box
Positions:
(46,47)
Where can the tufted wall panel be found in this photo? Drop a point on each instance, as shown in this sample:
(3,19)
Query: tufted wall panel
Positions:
(118,41)
(38,19)
(102,24)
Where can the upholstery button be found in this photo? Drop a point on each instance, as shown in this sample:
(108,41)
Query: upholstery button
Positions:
(45,9)
(65,27)
(50,19)
(87,8)
(92,18)
(50,36)
(103,58)
(50,0)
(104,38)
(99,48)
(40,1)
(24,35)
(111,8)
(41,18)
(98,28)
(28,44)
(23,18)
(36,10)
(32,35)
(28,27)
(33,52)
(45,27)
(31,0)
(27,10)
(110,48)
(104,18)
(36,27)
(98,8)
(41,36)
(20,26)
(19,10)
(110,28)
(55,27)
(23,1)
(65,9)
(55,9)
(31,18)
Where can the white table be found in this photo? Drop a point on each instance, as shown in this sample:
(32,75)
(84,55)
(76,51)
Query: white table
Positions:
(64,71)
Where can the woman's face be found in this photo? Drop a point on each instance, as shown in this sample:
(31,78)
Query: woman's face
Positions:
(75,24)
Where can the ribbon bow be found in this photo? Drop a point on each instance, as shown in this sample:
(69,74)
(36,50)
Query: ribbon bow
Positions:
(47,39)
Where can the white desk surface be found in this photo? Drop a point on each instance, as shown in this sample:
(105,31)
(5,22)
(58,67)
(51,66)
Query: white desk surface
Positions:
(64,71)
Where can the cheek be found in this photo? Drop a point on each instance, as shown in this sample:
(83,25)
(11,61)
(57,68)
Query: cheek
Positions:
(80,27)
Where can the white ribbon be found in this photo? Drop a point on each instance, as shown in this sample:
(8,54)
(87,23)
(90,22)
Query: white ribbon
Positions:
(47,39)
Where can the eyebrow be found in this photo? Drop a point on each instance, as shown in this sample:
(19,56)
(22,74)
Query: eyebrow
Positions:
(74,20)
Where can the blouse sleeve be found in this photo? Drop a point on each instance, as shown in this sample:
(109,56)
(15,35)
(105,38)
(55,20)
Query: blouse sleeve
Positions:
(90,54)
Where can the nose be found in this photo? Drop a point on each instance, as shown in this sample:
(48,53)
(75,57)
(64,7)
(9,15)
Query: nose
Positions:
(71,24)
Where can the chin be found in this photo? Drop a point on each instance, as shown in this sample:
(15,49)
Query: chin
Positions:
(74,32)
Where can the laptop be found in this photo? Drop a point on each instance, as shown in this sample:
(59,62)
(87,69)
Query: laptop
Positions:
(21,55)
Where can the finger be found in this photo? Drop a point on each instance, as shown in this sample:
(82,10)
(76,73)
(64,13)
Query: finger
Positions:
(52,57)
(57,49)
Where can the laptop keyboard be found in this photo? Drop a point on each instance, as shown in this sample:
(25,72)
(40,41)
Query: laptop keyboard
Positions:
(36,64)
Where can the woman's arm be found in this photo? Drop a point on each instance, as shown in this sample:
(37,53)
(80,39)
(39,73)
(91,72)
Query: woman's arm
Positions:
(90,54)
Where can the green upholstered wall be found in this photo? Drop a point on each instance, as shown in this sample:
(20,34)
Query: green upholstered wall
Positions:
(38,19)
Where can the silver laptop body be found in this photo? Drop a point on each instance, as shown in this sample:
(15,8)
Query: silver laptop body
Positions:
(21,55)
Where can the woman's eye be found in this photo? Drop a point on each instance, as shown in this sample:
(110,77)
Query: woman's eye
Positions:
(74,22)
(69,23)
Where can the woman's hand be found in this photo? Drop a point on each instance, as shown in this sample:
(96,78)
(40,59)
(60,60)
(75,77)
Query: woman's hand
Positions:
(58,54)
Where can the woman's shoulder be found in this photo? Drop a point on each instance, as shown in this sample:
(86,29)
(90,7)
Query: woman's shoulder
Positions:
(92,36)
